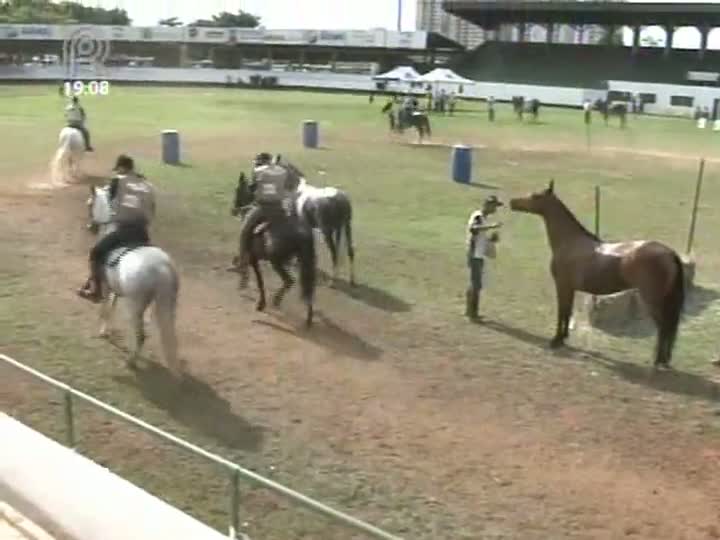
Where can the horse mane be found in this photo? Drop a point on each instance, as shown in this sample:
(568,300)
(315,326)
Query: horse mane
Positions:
(575,220)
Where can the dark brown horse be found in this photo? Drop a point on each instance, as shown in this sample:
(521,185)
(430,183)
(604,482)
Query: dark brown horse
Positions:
(583,262)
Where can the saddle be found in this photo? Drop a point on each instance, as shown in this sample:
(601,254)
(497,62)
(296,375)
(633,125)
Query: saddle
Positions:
(117,255)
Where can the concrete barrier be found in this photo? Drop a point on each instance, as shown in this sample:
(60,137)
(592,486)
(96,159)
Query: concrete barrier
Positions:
(81,499)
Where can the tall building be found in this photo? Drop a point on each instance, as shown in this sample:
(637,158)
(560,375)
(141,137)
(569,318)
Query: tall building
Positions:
(432,18)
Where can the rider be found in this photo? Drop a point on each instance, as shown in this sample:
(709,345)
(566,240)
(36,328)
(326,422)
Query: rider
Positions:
(132,201)
(269,185)
(75,117)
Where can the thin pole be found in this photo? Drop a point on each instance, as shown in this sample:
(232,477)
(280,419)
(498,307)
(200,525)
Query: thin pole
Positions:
(234,503)
(597,226)
(399,16)
(693,218)
(597,210)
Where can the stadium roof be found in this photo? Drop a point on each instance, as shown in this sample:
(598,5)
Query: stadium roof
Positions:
(491,14)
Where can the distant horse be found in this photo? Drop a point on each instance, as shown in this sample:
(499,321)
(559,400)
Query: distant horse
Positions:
(65,165)
(614,108)
(522,106)
(414,118)
(141,274)
(583,262)
(279,243)
(327,209)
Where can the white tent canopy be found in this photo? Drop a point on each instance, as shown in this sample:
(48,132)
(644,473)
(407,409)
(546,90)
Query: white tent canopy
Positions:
(444,76)
(400,73)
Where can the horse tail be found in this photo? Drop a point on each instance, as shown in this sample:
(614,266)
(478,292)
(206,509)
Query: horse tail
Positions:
(673,306)
(165,311)
(59,165)
(308,266)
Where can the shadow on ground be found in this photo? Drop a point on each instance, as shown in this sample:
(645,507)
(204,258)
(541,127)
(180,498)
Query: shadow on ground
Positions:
(196,405)
(327,334)
(676,382)
(369,295)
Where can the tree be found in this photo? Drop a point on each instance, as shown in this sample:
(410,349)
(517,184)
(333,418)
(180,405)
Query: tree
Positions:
(66,12)
(225,19)
(172,21)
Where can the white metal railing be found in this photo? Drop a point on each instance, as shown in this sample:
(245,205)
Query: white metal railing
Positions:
(235,471)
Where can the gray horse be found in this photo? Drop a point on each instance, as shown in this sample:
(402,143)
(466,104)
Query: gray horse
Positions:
(141,275)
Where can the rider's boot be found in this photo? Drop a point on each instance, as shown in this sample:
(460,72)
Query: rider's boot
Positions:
(92,290)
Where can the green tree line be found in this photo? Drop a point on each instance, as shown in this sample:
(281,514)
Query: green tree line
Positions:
(46,12)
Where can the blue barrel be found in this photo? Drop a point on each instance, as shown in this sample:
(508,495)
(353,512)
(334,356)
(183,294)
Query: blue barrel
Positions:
(310,134)
(462,163)
(171,147)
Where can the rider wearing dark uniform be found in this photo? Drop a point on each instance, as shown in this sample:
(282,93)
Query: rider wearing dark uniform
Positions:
(132,199)
(269,186)
(75,117)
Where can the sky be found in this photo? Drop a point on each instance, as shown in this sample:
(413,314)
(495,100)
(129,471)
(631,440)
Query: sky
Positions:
(325,14)
(280,14)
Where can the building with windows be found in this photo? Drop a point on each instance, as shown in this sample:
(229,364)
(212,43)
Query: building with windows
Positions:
(431,17)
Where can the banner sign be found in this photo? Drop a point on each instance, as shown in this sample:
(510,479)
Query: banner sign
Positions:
(195,34)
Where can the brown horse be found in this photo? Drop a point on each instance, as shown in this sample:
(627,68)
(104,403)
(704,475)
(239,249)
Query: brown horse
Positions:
(583,262)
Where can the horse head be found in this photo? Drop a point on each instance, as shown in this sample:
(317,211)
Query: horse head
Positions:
(98,207)
(243,195)
(536,203)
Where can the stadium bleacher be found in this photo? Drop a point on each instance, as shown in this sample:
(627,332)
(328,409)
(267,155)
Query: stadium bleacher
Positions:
(587,66)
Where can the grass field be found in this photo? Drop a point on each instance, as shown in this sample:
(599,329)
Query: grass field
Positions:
(394,407)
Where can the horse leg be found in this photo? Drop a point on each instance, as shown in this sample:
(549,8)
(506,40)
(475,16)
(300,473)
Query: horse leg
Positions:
(330,242)
(568,314)
(255,264)
(350,250)
(137,307)
(106,313)
(286,279)
(654,308)
(565,297)
(664,307)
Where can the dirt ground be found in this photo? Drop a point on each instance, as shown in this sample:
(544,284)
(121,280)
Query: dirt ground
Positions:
(512,451)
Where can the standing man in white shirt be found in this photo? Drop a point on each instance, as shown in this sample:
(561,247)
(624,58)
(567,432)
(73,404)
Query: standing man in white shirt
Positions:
(479,246)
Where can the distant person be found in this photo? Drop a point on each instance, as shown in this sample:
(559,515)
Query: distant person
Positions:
(452,102)
(479,246)
(587,111)
(491,108)
(75,117)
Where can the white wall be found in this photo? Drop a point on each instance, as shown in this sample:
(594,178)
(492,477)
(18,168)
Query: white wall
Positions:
(704,96)
(81,499)
(549,95)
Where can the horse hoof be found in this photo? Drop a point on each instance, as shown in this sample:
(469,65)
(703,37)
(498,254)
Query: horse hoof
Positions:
(260,307)
(556,343)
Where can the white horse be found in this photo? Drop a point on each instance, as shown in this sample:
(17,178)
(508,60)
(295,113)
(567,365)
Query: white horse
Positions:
(328,210)
(141,276)
(65,165)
